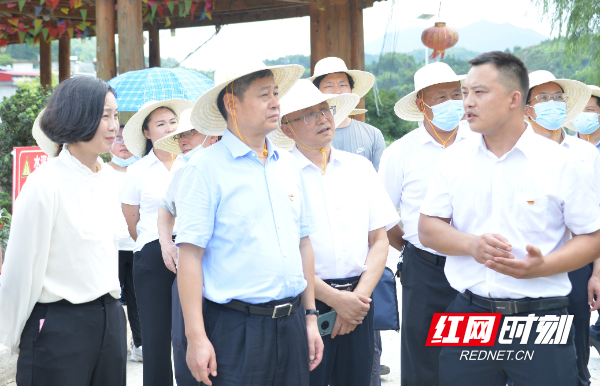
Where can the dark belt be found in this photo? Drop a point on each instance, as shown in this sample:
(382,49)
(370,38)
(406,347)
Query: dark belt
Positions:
(275,309)
(430,257)
(512,307)
(348,284)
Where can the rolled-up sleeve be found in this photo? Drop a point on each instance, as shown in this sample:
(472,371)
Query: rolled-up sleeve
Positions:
(197,205)
(130,190)
(438,202)
(308,223)
(26,259)
(382,212)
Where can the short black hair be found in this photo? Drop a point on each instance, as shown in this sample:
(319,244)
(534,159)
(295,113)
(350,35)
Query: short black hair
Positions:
(145,127)
(512,70)
(597,100)
(75,109)
(531,89)
(239,88)
(319,79)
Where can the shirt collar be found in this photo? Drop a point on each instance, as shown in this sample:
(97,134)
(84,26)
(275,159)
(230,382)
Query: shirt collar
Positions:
(304,162)
(240,149)
(585,139)
(525,144)
(425,137)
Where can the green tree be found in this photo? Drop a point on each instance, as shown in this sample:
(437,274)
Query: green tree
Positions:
(303,60)
(18,113)
(384,118)
(577,23)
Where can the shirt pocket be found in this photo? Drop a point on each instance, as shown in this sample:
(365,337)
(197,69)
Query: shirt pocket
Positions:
(530,212)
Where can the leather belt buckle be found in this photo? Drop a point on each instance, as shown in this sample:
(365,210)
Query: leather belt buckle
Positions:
(343,287)
(504,307)
(282,310)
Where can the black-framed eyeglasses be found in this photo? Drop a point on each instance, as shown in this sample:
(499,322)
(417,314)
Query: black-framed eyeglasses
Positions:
(313,118)
(544,97)
(185,134)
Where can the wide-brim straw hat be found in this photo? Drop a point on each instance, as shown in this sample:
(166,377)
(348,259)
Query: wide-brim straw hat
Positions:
(363,81)
(133,135)
(358,111)
(305,94)
(206,116)
(168,143)
(578,93)
(432,74)
(46,144)
(595,92)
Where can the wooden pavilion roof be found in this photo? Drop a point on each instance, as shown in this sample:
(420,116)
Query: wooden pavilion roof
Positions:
(77,18)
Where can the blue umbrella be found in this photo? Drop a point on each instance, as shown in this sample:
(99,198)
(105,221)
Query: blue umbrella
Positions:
(134,88)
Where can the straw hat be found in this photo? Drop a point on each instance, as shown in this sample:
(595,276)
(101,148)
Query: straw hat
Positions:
(305,94)
(595,92)
(363,81)
(46,144)
(579,94)
(206,116)
(434,73)
(134,137)
(168,142)
(358,111)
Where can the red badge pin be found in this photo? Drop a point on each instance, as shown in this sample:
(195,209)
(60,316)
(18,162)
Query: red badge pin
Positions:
(530,202)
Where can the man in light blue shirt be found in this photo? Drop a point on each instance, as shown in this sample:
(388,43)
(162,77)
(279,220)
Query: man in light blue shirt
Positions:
(243,237)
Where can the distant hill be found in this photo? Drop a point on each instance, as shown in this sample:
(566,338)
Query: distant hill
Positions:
(480,36)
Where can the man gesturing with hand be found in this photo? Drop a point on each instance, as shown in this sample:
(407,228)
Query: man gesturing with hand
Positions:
(512,197)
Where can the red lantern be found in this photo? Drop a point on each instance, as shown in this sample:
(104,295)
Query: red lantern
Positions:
(440,37)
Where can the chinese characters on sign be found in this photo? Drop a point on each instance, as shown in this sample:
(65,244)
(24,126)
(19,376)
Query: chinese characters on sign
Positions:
(25,161)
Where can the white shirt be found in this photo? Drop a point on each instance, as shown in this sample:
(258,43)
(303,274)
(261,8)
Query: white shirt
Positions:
(588,155)
(63,242)
(168,200)
(405,170)
(147,181)
(530,195)
(126,243)
(348,202)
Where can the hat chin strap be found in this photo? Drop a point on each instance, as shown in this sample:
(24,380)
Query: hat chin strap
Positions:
(307,147)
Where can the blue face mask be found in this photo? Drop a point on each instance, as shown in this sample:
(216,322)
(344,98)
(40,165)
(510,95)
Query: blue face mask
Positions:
(124,162)
(187,156)
(587,123)
(550,115)
(447,115)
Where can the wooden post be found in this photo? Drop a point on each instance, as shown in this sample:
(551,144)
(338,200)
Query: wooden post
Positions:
(154,46)
(338,31)
(106,65)
(131,48)
(45,64)
(64,58)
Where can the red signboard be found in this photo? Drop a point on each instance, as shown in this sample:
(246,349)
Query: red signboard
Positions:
(25,161)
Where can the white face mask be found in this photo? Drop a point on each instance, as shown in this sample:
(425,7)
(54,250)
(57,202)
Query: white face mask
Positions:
(187,156)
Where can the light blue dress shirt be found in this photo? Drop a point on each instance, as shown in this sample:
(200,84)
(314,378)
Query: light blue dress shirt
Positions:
(249,218)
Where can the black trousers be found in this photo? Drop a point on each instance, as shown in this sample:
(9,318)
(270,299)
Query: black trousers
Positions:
(183,375)
(347,359)
(78,344)
(126,279)
(153,284)
(550,364)
(579,308)
(425,291)
(255,350)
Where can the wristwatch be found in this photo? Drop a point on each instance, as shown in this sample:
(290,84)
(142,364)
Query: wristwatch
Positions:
(311,312)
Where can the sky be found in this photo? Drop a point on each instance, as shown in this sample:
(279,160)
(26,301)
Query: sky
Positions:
(277,38)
